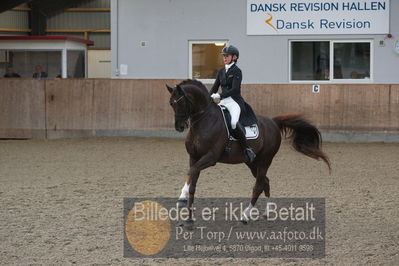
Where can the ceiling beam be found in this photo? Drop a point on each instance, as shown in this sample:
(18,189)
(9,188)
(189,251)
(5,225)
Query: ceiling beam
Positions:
(8,4)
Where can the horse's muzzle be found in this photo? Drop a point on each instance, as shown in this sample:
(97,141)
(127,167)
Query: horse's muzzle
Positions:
(181,125)
(179,128)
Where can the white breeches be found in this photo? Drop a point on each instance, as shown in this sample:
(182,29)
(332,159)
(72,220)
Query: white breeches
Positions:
(234,110)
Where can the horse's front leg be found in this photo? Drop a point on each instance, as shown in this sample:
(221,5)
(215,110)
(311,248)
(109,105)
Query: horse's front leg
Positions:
(204,162)
(182,202)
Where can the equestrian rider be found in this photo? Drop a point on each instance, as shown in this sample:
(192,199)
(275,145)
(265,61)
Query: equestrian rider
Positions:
(229,78)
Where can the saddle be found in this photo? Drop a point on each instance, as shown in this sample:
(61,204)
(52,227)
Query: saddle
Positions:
(251,132)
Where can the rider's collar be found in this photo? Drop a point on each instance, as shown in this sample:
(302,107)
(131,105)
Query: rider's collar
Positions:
(228,66)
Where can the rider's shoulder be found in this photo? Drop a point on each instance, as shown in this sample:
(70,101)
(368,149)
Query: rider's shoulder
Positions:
(237,70)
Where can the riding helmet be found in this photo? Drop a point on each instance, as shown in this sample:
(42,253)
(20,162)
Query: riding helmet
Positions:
(230,49)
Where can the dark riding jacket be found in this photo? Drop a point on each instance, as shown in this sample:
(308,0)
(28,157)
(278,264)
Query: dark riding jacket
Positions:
(230,82)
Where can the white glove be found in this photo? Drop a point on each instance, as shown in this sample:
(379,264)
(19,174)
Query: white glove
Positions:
(215,96)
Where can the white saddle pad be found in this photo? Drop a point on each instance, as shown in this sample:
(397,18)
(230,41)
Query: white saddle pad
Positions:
(251,132)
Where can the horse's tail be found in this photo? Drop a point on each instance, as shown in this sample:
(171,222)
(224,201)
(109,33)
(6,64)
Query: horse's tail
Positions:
(305,137)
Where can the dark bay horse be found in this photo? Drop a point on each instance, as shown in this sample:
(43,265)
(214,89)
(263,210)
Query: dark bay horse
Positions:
(207,139)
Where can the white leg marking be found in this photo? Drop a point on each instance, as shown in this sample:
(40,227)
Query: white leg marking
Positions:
(247,213)
(184,192)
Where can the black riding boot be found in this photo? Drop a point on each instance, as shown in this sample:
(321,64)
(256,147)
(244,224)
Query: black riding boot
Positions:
(239,133)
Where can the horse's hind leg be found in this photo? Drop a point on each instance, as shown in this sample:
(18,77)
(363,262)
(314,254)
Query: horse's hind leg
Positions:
(256,191)
(266,188)
(261,185)
(259,172)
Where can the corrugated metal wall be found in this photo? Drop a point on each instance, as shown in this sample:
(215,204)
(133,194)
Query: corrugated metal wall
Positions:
(79,20)
(85,21)
(94,3)
(14,20)
(101,40)
(68,20)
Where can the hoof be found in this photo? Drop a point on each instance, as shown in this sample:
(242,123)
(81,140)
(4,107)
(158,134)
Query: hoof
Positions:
(189,225)
(181,203)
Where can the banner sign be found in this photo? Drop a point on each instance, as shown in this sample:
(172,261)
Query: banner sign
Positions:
(304,17)
(275,227)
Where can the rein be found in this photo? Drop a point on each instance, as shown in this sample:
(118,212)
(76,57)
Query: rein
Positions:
(187,114)
(200,114)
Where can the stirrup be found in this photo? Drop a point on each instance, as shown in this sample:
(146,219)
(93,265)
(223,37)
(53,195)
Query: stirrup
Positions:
(250,154)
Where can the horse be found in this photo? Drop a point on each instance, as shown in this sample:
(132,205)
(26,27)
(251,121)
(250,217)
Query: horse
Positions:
(207,140)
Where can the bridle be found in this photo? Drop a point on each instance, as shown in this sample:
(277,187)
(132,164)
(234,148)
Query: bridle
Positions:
(188,115)
(185,115)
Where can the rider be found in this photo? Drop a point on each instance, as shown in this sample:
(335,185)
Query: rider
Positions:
(229,78)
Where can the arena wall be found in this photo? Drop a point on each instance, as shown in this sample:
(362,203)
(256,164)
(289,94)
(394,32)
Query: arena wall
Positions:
(96,107)
(22,108)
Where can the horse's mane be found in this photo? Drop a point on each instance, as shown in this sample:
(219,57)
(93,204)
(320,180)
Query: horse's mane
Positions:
(195,83)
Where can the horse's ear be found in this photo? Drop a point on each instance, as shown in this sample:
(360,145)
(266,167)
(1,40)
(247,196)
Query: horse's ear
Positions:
(169,89)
